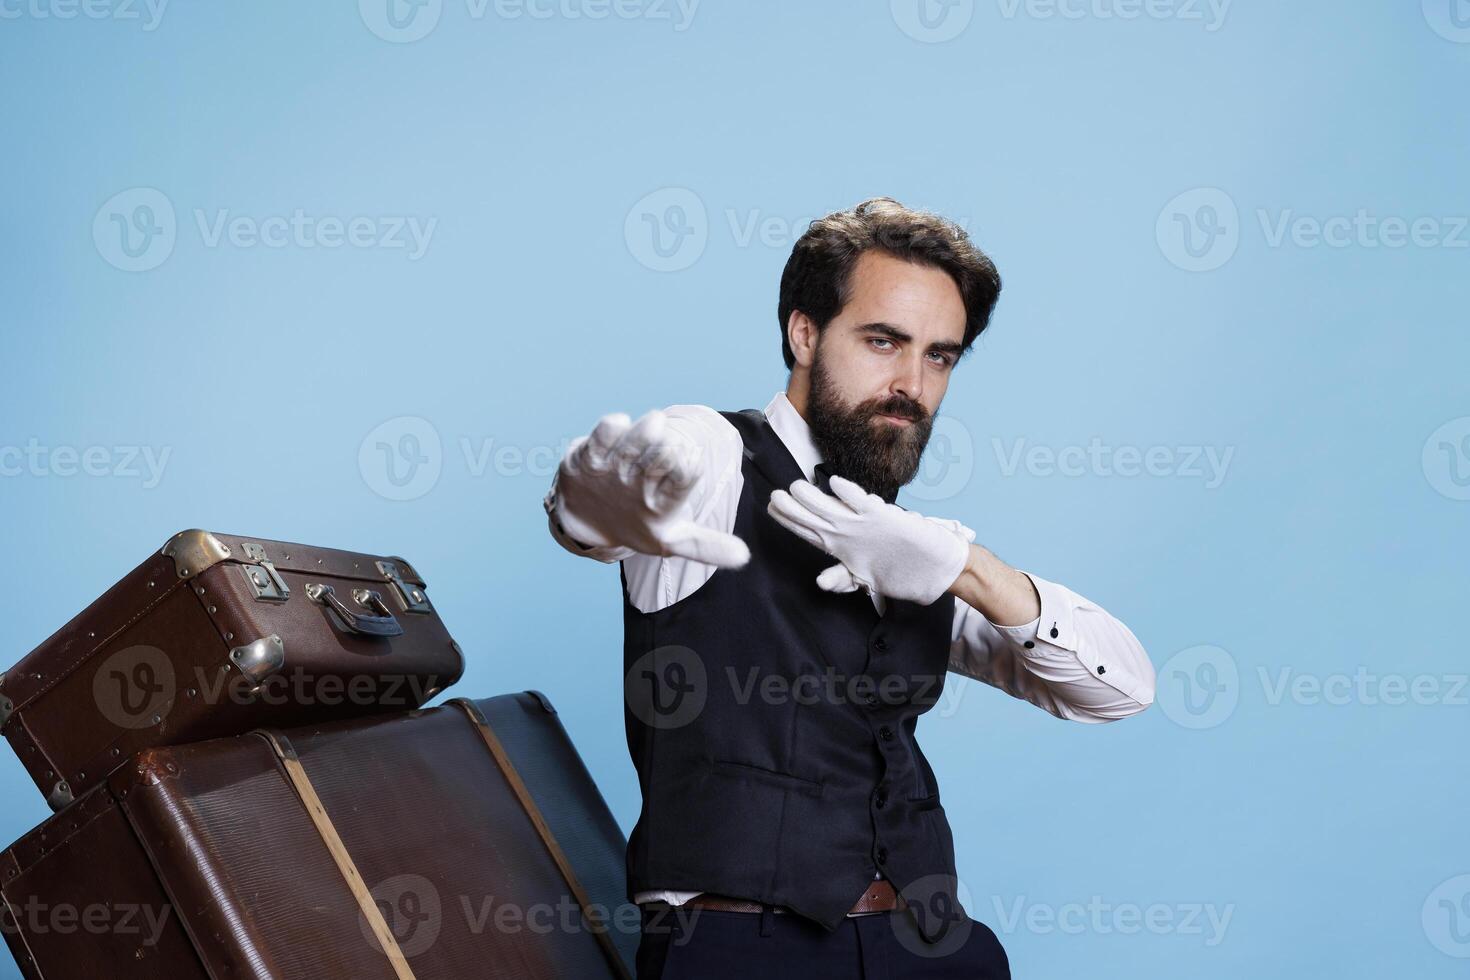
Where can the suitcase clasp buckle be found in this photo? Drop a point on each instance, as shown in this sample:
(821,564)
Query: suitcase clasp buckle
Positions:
(411,596)
(263,578)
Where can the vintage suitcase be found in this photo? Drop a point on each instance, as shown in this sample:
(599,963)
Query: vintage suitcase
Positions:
(466,840)
(216,635)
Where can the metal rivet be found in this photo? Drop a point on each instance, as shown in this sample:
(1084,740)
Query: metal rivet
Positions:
(211,610)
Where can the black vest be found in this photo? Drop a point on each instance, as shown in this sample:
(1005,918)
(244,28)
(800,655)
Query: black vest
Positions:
(772,726)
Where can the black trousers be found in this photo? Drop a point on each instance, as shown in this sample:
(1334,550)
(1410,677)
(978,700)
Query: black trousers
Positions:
(706,944)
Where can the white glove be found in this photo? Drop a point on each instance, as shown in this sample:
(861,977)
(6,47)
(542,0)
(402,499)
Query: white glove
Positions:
(628,486)
(880,546)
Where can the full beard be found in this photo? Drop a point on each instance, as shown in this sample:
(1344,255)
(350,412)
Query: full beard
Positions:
(878,456)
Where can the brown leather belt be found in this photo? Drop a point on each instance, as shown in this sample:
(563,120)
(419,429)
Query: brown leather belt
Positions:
(879,897)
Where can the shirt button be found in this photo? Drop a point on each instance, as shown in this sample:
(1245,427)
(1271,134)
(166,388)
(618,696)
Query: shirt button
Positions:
(1054,633)
(885,733)
(1028,644)
(1101,669)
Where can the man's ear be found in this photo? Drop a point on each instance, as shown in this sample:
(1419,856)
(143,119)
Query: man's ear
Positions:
(802,334)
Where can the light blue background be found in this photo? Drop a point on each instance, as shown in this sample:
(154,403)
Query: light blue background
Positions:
(1333,543)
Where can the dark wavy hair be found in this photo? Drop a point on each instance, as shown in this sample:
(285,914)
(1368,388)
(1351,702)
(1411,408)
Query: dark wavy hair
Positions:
(817,276)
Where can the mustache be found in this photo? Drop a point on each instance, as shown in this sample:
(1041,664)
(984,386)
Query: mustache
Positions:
(901,407)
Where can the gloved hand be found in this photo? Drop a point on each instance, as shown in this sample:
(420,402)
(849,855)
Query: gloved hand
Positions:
(880,546)
(628,485)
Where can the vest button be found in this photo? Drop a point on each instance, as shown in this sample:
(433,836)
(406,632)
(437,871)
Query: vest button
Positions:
(880,644)
(886,733)
(882,855)
(881,801)
(871,699)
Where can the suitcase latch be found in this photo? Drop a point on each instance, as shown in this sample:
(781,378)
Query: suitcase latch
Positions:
(411,596)
(263,578)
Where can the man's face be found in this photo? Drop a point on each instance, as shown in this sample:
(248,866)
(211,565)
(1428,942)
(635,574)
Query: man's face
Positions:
(880,370)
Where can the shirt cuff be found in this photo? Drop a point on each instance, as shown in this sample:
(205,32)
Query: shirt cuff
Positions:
(606,553)
(1107,658)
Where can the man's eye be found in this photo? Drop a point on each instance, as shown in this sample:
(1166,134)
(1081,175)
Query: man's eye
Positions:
(942,359)
(880,340)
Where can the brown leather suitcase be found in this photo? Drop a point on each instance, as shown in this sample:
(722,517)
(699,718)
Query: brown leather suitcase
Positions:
(466,840)
(216,635)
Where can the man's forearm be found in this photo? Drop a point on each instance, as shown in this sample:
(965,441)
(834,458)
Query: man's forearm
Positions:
(1001,594)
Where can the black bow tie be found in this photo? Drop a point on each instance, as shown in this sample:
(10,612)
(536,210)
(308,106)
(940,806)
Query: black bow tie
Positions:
(822,480)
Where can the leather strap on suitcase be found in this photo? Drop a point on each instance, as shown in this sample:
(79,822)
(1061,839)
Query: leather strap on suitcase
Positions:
(518,786)
(318,813)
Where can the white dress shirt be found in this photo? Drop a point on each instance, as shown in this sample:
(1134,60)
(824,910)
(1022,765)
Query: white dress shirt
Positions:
(1074,660)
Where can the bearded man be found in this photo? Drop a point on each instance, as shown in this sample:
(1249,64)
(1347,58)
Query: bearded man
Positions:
(786,623)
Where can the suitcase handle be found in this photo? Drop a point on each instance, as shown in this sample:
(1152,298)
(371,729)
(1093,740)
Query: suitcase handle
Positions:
(381,625)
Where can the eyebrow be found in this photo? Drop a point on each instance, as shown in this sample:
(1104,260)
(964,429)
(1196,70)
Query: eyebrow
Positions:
(893,333)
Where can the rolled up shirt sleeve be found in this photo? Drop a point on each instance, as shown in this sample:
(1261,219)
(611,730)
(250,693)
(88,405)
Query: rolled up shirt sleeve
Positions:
(1075,660)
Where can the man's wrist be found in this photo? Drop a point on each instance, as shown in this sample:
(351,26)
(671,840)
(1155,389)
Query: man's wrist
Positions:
(1002,594)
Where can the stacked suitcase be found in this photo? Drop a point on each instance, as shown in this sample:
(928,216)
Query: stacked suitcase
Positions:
(247,786)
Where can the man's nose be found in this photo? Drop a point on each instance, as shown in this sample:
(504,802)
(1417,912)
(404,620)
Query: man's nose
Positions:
(909,381)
